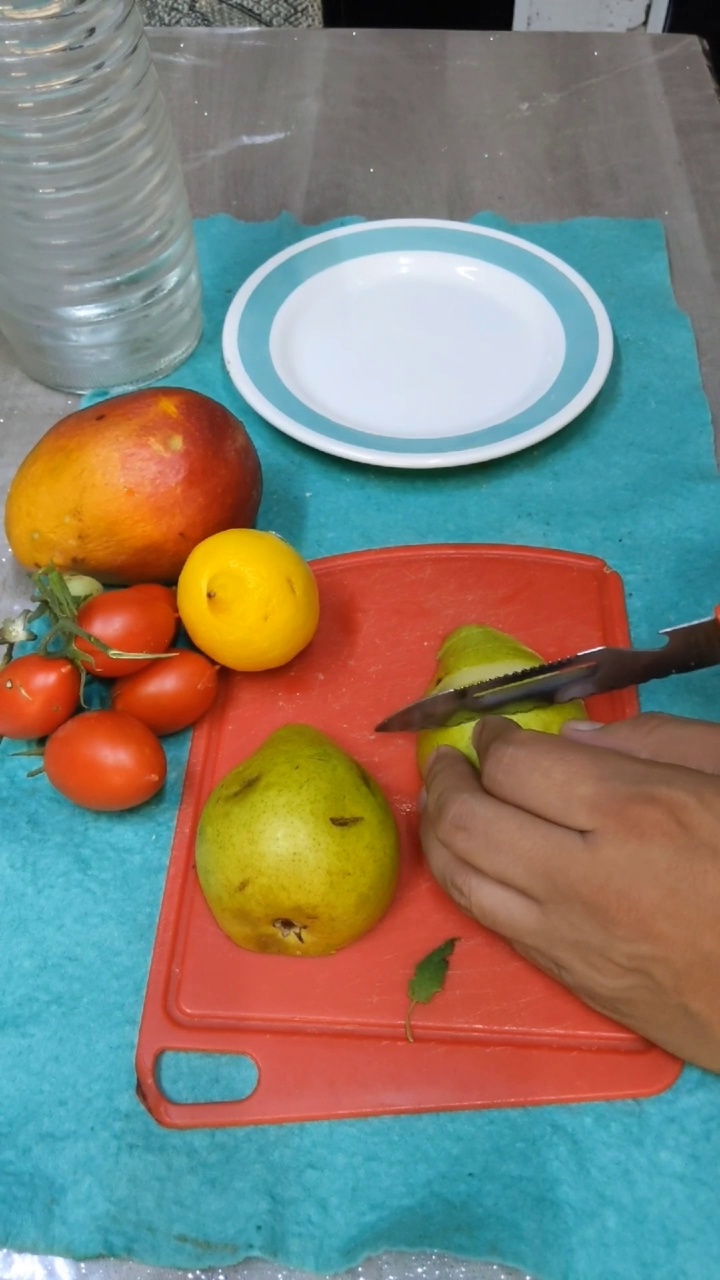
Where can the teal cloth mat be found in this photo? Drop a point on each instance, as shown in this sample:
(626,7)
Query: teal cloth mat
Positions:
(584,1192)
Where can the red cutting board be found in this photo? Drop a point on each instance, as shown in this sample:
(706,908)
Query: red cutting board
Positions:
(327,1034)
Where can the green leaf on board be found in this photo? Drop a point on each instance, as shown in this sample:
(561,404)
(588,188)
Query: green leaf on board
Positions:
(428,979)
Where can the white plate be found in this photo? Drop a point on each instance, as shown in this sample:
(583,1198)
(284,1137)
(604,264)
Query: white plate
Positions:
(417,343)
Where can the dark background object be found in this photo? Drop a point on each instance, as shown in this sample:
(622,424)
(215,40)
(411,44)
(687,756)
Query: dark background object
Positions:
(451,15)
(700,17)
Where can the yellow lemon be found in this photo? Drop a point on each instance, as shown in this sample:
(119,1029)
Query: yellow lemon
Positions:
(248,600)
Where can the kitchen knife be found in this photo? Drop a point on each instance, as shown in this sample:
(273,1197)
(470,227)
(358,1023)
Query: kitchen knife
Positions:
(689,648)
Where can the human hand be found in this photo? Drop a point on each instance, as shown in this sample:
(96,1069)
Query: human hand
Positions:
(601,867)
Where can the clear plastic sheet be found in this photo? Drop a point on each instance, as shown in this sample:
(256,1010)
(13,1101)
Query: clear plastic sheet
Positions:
(388,1266)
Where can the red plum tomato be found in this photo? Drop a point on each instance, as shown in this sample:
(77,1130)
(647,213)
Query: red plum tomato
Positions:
(170,694)
(156,591)
(37,695)
(132,620)
(105,760)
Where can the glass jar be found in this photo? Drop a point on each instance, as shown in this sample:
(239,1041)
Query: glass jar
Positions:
(99,284)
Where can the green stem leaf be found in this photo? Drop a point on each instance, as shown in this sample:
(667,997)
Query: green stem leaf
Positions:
(428,979)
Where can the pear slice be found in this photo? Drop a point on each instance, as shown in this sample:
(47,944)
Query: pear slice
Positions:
(474,653)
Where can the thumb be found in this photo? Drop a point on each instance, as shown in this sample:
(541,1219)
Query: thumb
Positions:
(695,744)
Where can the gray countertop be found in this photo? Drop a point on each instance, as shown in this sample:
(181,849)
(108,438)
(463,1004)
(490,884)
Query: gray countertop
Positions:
(435,124)
(445,124)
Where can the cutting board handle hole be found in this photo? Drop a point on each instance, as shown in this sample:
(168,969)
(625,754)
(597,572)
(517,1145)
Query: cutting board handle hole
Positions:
(189,1078)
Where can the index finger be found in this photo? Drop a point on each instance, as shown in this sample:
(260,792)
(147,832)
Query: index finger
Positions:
(510,846)
(556,778)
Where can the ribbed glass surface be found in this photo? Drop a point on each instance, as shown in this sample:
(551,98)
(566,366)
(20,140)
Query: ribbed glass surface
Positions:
(98,277)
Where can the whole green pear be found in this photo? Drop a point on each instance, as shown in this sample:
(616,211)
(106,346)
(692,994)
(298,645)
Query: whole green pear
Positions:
(297,850)
(474,653)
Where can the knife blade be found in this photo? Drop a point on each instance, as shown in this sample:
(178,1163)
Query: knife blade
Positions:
(690,647)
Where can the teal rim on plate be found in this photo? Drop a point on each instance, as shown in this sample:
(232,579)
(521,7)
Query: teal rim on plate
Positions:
(249,323)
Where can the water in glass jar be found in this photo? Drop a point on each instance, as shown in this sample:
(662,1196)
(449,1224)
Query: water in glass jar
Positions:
(99,284)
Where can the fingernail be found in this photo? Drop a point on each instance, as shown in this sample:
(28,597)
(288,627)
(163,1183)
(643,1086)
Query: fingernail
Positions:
(582,726)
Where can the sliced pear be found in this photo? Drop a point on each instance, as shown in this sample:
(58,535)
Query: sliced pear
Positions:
(474,653)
